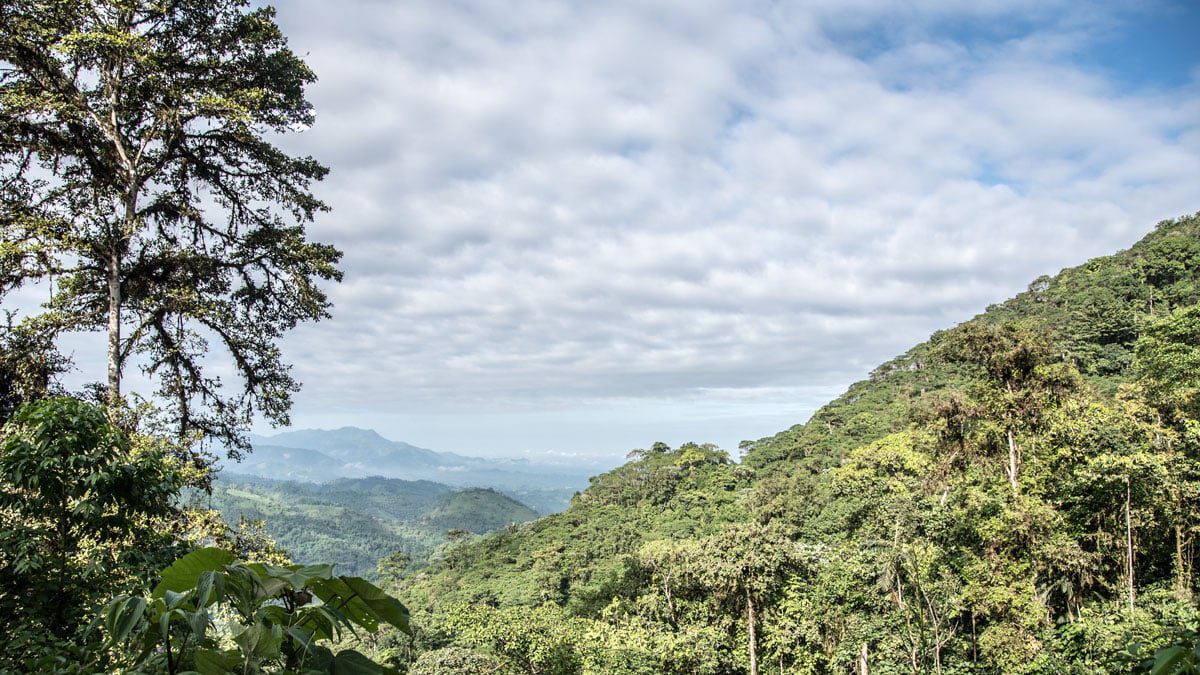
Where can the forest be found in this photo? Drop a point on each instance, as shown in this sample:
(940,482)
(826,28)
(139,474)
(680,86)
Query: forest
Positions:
(1020,494)
(353,523)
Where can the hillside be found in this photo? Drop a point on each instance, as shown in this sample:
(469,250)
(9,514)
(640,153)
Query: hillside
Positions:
(477,511)
(356,522)
(1019,494)
(1091,312)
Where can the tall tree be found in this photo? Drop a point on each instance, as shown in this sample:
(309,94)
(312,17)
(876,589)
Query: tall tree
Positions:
(746,566)
(138,175)
(1168,363)
(1023,378)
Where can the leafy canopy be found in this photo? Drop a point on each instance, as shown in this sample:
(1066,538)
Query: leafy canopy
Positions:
(139,177)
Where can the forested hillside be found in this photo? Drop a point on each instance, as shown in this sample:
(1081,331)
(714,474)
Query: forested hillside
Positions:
(355,522)
(1019,494)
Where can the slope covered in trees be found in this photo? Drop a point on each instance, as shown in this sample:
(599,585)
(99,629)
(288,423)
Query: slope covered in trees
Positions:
(1017,495)
(355,522)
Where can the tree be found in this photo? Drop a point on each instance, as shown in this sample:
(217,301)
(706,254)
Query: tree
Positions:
(1167,362)
(28,366)
(137,176)
(457,661)
(534,640)
(746,565)
(391,568)
(1023,378)
(81,514)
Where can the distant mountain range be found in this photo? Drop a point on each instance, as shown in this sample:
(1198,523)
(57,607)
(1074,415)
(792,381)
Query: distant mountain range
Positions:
(319,456)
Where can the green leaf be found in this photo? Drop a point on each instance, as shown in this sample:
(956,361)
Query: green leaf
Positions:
(260,641)
(362,602)
(323,622)
(184,574)
(198,621)
(211,662)
(174,599)
(1166,660)
(210,588)
(350,662)
(302,636)
(320,660)
(123,616)
(298,576)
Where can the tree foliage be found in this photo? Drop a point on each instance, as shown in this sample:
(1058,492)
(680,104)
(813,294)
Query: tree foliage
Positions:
(137,176)
(84,513)
(281,616)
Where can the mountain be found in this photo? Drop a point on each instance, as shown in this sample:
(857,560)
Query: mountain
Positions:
(317,455)
(289,463)
(1020,494)
(1093,313)
(355,522)
(477,511)
(351,444)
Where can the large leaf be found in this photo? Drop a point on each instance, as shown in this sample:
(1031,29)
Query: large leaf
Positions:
(302,637)
(209,588)
(184,574)
(298,576)
(122,616)
(350,662)
(212,662)
(385,606)
(1168,660)
(362,602)
(260,641)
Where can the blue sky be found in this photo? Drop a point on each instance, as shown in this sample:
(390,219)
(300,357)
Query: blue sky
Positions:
(576,228)
(1150,46)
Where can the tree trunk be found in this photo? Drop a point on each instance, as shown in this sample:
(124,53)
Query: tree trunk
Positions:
(670,601)
(751,630)
(1129,540)
(861,667)
(974,643)
(1013,462)
(1182,585)
(114,329)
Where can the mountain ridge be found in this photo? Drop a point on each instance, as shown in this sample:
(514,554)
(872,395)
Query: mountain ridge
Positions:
(321,455)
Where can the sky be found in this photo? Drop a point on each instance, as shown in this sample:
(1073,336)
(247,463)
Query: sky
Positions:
(572,229)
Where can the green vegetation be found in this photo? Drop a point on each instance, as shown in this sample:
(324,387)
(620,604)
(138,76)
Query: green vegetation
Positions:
(356,522)
(137,171)
(140,186)
(1018,495)
(89,511)
(276,625)
(82,515)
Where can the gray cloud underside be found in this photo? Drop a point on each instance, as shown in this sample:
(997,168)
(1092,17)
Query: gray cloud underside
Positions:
(548,201)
